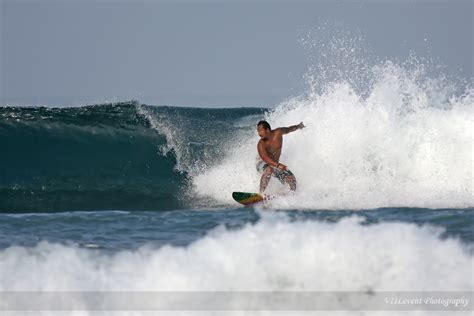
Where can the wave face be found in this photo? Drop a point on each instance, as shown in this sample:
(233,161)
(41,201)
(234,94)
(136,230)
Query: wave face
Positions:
(109,156)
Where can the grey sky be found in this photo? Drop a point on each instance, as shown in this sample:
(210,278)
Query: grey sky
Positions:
(204,53)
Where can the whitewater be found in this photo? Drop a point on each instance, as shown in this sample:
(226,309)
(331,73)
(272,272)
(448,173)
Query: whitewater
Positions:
(407,143)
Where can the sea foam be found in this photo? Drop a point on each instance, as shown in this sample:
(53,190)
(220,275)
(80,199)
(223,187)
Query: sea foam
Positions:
(404,141)
(275,254)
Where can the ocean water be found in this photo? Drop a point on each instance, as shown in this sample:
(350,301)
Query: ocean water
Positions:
(135,198)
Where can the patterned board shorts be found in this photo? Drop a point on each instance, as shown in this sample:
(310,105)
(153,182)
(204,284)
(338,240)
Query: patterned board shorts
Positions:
(277,173)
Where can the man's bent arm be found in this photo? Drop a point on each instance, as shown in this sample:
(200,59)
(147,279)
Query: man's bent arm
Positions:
(265,157)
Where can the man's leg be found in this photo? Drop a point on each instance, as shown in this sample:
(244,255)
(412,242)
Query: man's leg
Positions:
(267,173)
(291,180)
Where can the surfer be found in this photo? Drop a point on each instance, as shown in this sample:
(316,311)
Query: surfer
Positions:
(269,149)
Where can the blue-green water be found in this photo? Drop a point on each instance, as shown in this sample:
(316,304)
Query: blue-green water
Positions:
(119,230)
(106,156)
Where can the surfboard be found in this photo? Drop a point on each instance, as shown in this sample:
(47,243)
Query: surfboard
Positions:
(247,198)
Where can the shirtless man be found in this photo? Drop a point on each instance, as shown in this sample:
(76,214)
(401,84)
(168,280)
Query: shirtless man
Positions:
(269,149)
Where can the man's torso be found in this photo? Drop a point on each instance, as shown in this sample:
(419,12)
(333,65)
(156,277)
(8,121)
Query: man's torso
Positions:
(273,145)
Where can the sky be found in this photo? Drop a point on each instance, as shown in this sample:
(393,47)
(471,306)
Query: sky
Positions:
(206,53)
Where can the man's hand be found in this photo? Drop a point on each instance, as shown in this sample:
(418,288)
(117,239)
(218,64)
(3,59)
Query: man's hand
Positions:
(301,125)
(281,167)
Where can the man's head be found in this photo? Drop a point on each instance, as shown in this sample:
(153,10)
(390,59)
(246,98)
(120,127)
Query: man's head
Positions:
(263,129)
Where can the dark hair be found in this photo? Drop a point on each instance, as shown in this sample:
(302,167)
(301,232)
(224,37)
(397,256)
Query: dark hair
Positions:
(264,124)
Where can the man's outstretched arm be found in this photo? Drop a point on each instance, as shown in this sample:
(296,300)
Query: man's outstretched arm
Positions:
(286,130)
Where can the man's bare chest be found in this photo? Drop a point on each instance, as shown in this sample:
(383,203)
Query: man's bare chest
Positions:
(273,146)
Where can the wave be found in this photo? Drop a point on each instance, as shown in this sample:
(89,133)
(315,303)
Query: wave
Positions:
(105,156)
(386,134)
(289,256)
